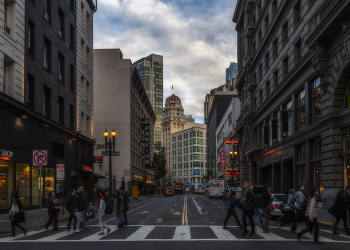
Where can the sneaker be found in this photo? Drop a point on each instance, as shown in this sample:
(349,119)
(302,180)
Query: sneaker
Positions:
(294,232)
(12,236)
(108,230)
(76,231)
(225,227)
(25,232)
(102,233)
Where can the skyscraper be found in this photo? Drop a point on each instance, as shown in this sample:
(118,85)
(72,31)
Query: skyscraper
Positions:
(231,73)
(150,69)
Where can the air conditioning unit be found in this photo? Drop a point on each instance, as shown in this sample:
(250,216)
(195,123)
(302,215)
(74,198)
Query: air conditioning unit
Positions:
(60,33)
(45,65)
(60,77)
(47,17)
(7,29)
(44,113)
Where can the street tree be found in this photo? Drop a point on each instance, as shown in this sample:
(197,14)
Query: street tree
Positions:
(158,166)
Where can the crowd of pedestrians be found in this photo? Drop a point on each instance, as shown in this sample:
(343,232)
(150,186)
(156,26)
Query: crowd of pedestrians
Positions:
(295,206)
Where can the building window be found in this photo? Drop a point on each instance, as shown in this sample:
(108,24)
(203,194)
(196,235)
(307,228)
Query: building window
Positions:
(57,149)
(270,131)
(275,78)
(316,96)
(71,78)
(47,10)
(47,102)
(289,107)
(31,38)
(274,48)
(259,37)
(82,52)
(285,32)
(267,88)
(31,91)
(301,152)
(88,58)
(285,66)
(297,51)
(301,111)
(71,5)
(273,8)
(277,117)
(61,67)
(47,54)
(297,12)
(88,20)
(82,15)
(71,117)
(261,139)
(266,23)
(60,110)
(9,77)
(9,17)
(267,61)
(72,35)
(260,71)
(260,96)
(61,23)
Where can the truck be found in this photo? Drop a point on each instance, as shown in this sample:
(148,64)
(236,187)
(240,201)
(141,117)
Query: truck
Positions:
(179,189)
(216,188)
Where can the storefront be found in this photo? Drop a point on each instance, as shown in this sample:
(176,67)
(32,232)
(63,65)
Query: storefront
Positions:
(346,155)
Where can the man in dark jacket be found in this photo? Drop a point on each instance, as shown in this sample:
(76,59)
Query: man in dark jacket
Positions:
(83,205)
(16,218)
(126,207)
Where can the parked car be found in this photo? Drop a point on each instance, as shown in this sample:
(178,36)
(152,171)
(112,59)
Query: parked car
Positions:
(169,192)
(201,191)
(277,201)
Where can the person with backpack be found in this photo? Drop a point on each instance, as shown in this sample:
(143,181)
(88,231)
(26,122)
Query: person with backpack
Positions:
(83,205)
(15,209)
(311,212)
(53,211)
(266,199)
(102,214)
(120,209)
(300,207)
(232,201)
(341,213)
(288,209)
(247,208)
(72,207)
(126,206)
(347,203)
(257,207)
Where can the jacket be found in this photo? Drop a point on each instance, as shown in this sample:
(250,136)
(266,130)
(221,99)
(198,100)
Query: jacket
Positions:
(232,202)
(340,207)
(347,201)
(312,208)
(265,199)
(15,197)
(72,203)
(101,206)
(84,200)
(299,199)
(120,204)
(291,201)
(98,203)
(249,196)
(52,205)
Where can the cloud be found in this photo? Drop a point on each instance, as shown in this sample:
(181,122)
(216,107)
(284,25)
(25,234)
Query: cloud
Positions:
(195,37)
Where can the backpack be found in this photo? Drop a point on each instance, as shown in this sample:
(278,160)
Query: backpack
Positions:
(14,209)
(332,210)
(227,206)
(256,202)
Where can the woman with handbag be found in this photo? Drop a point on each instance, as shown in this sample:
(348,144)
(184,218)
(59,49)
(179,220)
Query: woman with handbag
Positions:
(266,206)
(232,198)
(72,207)
(247,208)
(15,212)
(120,209)
(53,211)
(341,213)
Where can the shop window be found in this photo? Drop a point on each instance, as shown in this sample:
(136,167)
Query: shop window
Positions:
(301,152)
(48,183)
(302,174)
(316,148)
(318,171)
(347,97)
(36,185)
(23,183)
(301,111)
(289,107)
(316,96)
(6,182)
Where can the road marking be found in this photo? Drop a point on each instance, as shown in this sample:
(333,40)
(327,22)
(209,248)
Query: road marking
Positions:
(322,239)
(222,234)
(198,207)
(184,214)
(18,237)
(268,236)
(324,222)
(141,233)
(96,237)
(159,220)
(55,236)
(182,233)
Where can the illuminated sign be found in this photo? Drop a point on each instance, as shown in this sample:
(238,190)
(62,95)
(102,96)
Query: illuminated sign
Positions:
(98,159)
(222,159)
(87,169)
(229,140)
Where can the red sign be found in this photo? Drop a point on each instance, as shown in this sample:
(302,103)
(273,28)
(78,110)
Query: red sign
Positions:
(98,159)
(222,159)
(87,169)
(228,141)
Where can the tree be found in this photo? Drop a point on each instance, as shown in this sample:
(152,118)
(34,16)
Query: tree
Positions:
(158,166)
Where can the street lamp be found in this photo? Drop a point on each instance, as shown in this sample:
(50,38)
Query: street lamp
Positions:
(109,144)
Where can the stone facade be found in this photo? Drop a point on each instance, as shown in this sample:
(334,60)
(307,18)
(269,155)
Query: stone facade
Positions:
(293,76)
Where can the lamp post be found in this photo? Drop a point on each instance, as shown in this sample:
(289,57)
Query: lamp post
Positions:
(109,144)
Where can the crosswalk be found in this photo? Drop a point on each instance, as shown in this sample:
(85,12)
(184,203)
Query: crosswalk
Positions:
(169,233)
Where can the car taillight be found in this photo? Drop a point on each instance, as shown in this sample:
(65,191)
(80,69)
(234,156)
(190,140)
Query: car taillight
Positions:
(166,192)
(173,191)
(277,206)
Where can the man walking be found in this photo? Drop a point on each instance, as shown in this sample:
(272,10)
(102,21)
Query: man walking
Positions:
(300,206)
(126,206)
(83,205)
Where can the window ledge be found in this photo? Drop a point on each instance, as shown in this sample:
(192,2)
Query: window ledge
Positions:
(31,55)
(48,71)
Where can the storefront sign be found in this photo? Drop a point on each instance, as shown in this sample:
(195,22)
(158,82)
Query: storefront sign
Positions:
(40,158)
(134,191)
(148,179)
(146,128)
(87,169)
(222,159)
(6,153)
(229,140)
(98,159)
(60,172)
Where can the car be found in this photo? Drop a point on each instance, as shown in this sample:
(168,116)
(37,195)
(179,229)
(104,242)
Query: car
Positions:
(169,192)
(276,202)
(201,191)
(179,190)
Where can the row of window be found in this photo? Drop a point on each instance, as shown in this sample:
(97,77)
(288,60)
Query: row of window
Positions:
(192,149)
(185,136)
(195,164)
(185,158)
(192,142)
(189,172)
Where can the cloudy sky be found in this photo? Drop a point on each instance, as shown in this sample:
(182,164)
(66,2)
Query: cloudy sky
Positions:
(195,37)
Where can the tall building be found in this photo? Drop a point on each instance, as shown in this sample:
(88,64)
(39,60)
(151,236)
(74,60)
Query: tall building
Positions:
(120,103)
(188,155)
(293,83)
(231,74)
(173,120)
(150,69)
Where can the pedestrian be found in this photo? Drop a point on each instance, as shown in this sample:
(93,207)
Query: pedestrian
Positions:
(94,195)
(232,198)
(300,202)
(83,205)
(284,201)
(126,206)
(341,212)
(257,210)
(248,202)
(311,212)
(120,209)
(15,217)
(347,203)
(53,211)
(266,199)
(72,207)
(102,214)
(290,209)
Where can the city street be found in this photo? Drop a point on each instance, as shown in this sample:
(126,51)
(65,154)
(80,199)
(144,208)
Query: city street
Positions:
(191,221)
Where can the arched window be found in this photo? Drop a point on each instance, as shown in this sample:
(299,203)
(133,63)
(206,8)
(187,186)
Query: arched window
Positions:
(347,97)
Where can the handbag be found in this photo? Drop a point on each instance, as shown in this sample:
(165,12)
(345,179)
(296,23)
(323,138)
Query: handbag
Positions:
(14,209)
(269,207)
(286,207)
(89,214)
(332,210)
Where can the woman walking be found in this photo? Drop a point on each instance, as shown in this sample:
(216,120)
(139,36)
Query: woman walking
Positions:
(15,218)
(101,211)
(120,209)
(266,199)
(232,198)
(53,210)
(289,212)
(341,213)
(311,212)
(72,207)
(249,210)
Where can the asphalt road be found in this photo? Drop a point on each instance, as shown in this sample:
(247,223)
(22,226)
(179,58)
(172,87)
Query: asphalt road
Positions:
(178,222)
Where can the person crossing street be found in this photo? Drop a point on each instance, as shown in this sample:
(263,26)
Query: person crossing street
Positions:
(300,206)
(83,205)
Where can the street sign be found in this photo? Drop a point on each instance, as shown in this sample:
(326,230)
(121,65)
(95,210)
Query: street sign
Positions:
(204,182)
(134,191)
(40,158)
(60,172)
(98,159)
(222,159)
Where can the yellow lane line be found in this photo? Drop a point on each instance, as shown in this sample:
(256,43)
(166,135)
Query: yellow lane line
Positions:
(324,222)
(159,220)
(184,213)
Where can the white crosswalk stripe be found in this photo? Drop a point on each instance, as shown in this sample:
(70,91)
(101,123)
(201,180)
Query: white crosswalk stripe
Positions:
(180,233)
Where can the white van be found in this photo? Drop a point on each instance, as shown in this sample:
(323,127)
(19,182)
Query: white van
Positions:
(216,188)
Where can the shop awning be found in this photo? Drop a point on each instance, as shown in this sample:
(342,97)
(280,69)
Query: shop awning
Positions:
(98,176)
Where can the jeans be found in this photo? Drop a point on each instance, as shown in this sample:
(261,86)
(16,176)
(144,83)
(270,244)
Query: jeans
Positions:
(234,214)
(267,220)
(125,217)
(244,218)
(290,217)
(299,213)
(72,216)
(15,224)
(311,225)
(337,220)
(258,213)
(103,225)
(120,217)
(52,217)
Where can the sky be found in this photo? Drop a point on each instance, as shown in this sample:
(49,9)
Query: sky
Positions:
(196,38)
